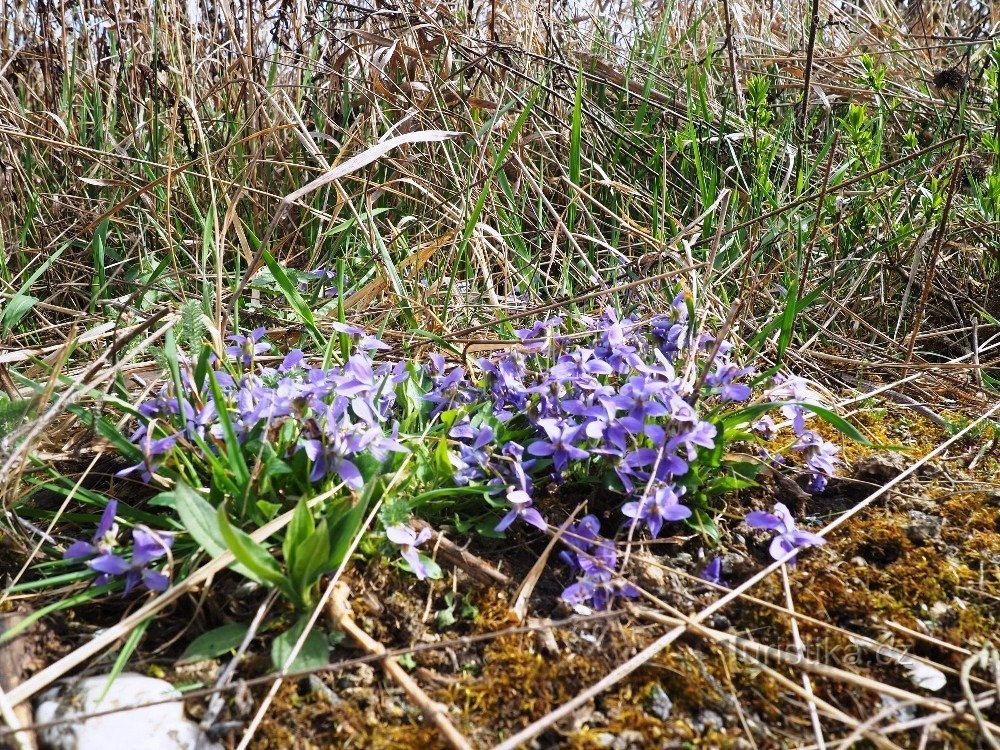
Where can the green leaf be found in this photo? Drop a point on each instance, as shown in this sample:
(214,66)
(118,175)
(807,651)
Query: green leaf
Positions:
(312,559)
(315,651)
(128,648)
(249,553)
(235,461)
(299,529)
(196,514)
(16,308)
(198,517)
(431,567)
(728,484)
(295,300)
(215,642)
(752,412)
(838,422)
(703,522)
(442,459)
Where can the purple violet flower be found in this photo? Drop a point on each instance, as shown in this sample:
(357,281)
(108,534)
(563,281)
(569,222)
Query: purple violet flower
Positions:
(722,379)
(663,505)
(520,502)
(712,572)
(766,426)
(788,538)
(246,348)
(580,368)
(148,545)
(560,443)
(98,550)
(820,457)
(408,541)
(593,559)
(333,456)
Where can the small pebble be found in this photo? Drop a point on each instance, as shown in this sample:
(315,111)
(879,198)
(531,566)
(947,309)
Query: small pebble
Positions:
(683,560)
(629,739)
(706,720)
(659,703)
(923,527)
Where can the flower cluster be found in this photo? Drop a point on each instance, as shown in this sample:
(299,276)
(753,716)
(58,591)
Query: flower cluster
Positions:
(819,455)
(147,546)
(608,397)
(593,560)
(337,414)
(613,399)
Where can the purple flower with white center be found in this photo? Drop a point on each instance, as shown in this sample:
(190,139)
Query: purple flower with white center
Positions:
(368,343)
(700,434)
(681,411)
(473,458)
(663,504)
(97,552)
(380,444)
(597,594)
(333,455)
(561,436)
(722,380)
(408,540)
(511,468)
(820,457)
(293,360)
(540,335)
(581,537)
(640,398)
(598,561)
(521,507)
(347,329)
(151,451)
(788,537)
(358,377)
(593,559)
(798,390)
(663,370)
(551,395)
(580,368)
(766,426)
(147,546)
(603,424)
(706,341)
(505,384)
(630,466)
(449,391)
(615,347)
(669,329)
(247,348)
(538,329)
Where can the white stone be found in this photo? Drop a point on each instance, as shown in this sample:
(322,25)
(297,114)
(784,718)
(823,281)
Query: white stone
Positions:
(160,727)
